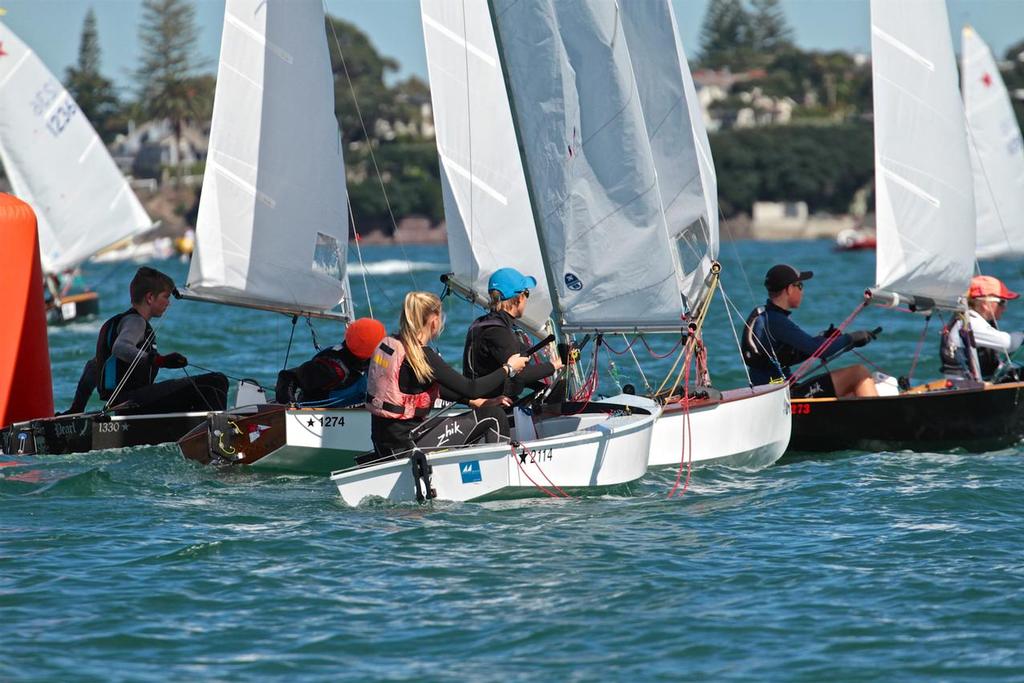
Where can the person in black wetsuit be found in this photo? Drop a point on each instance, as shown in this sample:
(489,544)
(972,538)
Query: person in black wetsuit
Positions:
(406,375)
(336,376)
(772,342)
(493,337)
(127,362)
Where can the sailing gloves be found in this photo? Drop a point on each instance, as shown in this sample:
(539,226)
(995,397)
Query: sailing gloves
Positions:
(862,337)
(171,360)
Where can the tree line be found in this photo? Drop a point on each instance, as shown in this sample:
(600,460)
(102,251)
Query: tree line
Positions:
(823,158)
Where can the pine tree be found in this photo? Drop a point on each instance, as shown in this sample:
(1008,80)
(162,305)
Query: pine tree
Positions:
(724,38)
(166,73)
(769,30)
(94,94)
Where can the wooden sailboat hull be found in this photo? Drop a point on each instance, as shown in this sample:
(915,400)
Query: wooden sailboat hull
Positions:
(977,420)
(748,427)
(93,431)
(73,308)
(281,438)
(589,450)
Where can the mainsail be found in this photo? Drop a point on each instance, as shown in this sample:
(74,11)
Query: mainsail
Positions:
(272,229)
(589,112)
(997,151)
(924,197)
(58,164)
(487,207)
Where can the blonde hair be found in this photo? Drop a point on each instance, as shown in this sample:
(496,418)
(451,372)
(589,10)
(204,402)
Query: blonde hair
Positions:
(418,306)
(498,304)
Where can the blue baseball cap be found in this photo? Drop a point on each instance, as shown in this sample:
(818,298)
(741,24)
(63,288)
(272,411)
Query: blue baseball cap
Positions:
(509,282)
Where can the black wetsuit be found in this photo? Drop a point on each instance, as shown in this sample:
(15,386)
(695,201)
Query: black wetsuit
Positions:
(128,337)
(395,436)
(490,341)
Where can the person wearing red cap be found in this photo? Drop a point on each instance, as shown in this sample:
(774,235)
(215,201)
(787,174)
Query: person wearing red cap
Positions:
(773,343)
(986,300)
(335,376)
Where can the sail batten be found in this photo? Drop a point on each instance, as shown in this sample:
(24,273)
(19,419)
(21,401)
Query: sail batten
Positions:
(272,229)
(923,187)
(58,165)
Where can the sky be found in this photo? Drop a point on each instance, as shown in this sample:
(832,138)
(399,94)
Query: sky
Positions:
(53,27)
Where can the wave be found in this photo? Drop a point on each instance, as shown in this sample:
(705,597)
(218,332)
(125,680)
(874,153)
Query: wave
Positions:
(394,267)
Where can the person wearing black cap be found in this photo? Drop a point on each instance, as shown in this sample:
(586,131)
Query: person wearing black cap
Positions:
(772,342)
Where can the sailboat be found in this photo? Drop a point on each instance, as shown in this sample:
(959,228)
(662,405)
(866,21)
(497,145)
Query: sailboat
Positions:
(926,242)
(492,214)
(997,152)
(59,165)
(612,203)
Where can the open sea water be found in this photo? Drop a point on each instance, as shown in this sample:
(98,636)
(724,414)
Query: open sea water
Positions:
(140,565)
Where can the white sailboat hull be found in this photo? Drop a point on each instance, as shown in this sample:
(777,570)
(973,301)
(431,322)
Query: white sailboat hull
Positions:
(748,428)
(589,450)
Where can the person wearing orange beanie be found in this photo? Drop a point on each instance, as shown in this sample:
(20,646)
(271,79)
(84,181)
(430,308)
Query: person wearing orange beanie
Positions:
(334,377)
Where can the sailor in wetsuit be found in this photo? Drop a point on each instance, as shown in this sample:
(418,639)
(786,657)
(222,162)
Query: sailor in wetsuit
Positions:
(773,343)
(335,377)
(493,337)
(406,376)
(986,300)
(127,361)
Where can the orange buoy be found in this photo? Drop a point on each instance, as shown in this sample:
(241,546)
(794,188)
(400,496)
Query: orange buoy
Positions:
(26,385)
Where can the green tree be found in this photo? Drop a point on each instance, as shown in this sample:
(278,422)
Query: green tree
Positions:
(768,28)
(94,94)
(166,73)
(1014,78)
(725,36)
(359,70)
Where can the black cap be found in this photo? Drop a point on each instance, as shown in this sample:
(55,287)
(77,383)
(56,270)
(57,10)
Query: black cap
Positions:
(781,276)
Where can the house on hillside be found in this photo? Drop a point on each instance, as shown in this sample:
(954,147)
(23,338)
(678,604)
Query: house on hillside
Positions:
(149,148)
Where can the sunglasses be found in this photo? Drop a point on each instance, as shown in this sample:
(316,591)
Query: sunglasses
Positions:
(798,285)
(525,293)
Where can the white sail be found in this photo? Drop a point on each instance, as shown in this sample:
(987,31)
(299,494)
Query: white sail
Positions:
(679,141)
(58,164)
(997,151)
(273,222)
(487,207)
(923,186)
(589,162)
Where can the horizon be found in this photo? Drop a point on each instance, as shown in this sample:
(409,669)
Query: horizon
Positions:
(52,28)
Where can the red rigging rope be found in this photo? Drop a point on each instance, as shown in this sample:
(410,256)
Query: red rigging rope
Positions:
(806,365)
(687,441)
(533,460)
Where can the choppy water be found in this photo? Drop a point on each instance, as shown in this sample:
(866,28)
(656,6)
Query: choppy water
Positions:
(129,565)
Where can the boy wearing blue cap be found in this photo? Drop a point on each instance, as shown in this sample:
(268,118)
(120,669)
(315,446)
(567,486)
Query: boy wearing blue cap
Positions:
(494,334)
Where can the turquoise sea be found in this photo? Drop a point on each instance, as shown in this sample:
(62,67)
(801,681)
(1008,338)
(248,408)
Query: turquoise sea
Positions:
(852,566)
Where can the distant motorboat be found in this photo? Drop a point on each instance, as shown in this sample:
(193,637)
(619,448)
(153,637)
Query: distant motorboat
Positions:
(855,239)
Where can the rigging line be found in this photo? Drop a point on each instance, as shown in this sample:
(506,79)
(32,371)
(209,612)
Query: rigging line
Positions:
(917,353)
(362,264)
(288,351)
(469,138)
(643,376)
(143,351)
(369,145)
(806,365)
(732,328)
(988,185)
(200,392)
(736,253)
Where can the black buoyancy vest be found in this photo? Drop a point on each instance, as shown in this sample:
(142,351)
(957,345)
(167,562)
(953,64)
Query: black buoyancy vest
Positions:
(110,369)
(755,355)
(475,362)
(331,369)
(955,359)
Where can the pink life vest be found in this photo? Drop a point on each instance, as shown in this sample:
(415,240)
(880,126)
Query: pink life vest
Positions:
(383,397)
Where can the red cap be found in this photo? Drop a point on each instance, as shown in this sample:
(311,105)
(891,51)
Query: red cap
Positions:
(363,336)
(986,285)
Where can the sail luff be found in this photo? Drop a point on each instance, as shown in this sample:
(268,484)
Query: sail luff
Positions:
(59,165)
(923,186)
(997,151)
(273,218)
